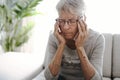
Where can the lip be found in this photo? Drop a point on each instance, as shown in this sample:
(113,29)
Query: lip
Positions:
(67,34)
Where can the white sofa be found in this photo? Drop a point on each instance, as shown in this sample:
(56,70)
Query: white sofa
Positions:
(19,66)
(27,66)
(111,66)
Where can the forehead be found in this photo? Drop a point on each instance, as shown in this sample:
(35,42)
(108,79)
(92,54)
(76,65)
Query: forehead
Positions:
(67,15)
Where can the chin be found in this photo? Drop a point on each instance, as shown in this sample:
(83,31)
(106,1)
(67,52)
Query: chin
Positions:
(68,37)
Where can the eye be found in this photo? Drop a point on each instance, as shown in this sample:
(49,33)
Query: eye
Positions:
(72,20)
(61,21)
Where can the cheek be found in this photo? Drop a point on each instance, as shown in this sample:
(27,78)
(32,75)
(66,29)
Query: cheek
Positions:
(75,30)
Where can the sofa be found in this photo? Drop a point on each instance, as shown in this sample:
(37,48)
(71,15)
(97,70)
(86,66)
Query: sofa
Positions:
(19,65)
(111,64)
(28,66)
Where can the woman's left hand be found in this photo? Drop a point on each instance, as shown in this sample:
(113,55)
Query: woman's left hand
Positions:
(82,34)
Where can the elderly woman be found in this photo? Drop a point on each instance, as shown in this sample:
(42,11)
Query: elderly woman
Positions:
(74,52)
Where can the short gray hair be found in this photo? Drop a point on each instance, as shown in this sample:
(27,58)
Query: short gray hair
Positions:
(73,6)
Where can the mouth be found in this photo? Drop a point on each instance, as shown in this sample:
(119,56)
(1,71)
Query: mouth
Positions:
(67,34)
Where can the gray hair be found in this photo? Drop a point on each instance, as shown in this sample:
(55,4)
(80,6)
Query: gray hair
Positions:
(72,6)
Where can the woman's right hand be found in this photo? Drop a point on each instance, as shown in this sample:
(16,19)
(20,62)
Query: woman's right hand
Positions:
(59,34)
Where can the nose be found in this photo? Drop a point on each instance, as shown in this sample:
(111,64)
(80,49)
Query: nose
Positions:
(66,25)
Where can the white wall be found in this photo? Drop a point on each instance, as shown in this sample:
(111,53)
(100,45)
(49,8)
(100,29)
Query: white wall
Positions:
(44,23)
(102,16)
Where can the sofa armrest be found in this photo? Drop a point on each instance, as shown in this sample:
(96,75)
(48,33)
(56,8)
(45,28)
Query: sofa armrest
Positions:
(20,66)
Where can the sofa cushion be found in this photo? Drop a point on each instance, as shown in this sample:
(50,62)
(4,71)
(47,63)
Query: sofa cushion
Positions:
(116,55)
(105,78)
(116,79)
(107,55)
(19,66)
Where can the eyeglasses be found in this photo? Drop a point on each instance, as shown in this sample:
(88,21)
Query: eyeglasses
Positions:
(70,22)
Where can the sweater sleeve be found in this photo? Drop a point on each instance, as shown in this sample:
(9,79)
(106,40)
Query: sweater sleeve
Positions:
(97,57)
(50,52)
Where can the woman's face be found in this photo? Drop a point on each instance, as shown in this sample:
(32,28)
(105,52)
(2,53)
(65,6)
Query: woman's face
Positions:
(68,25)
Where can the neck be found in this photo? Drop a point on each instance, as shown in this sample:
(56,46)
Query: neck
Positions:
(71,44)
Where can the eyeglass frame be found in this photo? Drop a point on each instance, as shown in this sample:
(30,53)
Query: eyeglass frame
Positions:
(68,21)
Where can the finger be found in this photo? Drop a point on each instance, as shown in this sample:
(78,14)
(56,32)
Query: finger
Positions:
(85,25)
(82,25)
(79,28)
(80,34)
(76,36)
(86,29)
(56,27)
